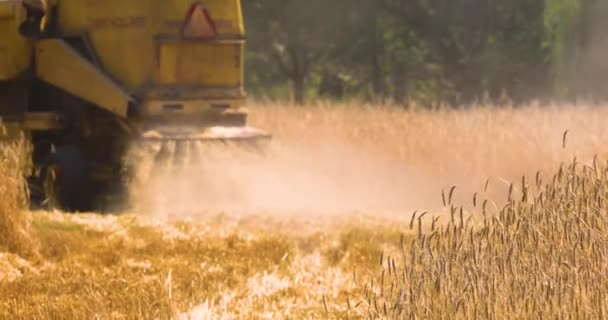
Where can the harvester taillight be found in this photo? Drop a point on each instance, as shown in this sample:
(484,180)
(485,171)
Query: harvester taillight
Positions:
(198,24)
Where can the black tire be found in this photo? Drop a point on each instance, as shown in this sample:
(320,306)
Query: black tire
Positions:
(40,191)
(72,187)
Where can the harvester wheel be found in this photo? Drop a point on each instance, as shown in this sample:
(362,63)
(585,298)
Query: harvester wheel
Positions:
(66,181)
(42,188)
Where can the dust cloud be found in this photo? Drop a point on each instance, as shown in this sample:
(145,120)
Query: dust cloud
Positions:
(377,162)
(322,179)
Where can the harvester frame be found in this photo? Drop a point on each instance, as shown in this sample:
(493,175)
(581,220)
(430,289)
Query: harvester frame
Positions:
(84,80)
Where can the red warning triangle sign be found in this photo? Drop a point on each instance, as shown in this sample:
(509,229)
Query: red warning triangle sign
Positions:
(198,23)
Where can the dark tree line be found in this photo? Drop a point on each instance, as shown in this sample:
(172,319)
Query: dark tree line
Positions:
(429,51)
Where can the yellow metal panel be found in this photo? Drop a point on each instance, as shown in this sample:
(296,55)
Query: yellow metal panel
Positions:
(72,16)
(124,35)
(121,32)
(226,14)
(6,10)
(160,92)
(187,107)
(205,64)
(15,52)
(60,65)
(228,17)
(168,63)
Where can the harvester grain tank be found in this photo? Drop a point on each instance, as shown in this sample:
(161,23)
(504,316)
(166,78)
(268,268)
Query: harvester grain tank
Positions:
(84,80)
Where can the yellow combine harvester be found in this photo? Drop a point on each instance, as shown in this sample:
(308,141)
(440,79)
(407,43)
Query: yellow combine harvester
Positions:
(85,79)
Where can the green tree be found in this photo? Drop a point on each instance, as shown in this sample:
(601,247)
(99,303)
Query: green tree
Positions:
(561,21)
(454,51)
(294,35)
(576,35)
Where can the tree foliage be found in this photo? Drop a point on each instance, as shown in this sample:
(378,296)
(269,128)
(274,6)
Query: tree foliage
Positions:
(454,51)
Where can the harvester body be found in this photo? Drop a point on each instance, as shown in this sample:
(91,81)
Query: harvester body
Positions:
(95,76)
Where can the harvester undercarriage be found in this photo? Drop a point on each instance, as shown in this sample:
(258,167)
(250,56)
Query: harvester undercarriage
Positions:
(82,163)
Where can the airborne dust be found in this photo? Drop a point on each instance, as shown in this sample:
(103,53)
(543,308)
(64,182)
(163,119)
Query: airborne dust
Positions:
(324,179)
(342,160)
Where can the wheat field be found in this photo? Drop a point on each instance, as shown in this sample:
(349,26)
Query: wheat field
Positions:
(353,211)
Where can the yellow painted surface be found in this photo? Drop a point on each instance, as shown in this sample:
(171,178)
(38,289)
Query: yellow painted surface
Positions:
(187,107)
(126,36)
(7,10)
(72,15)
(207,64)
(14,49)
(60,65)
